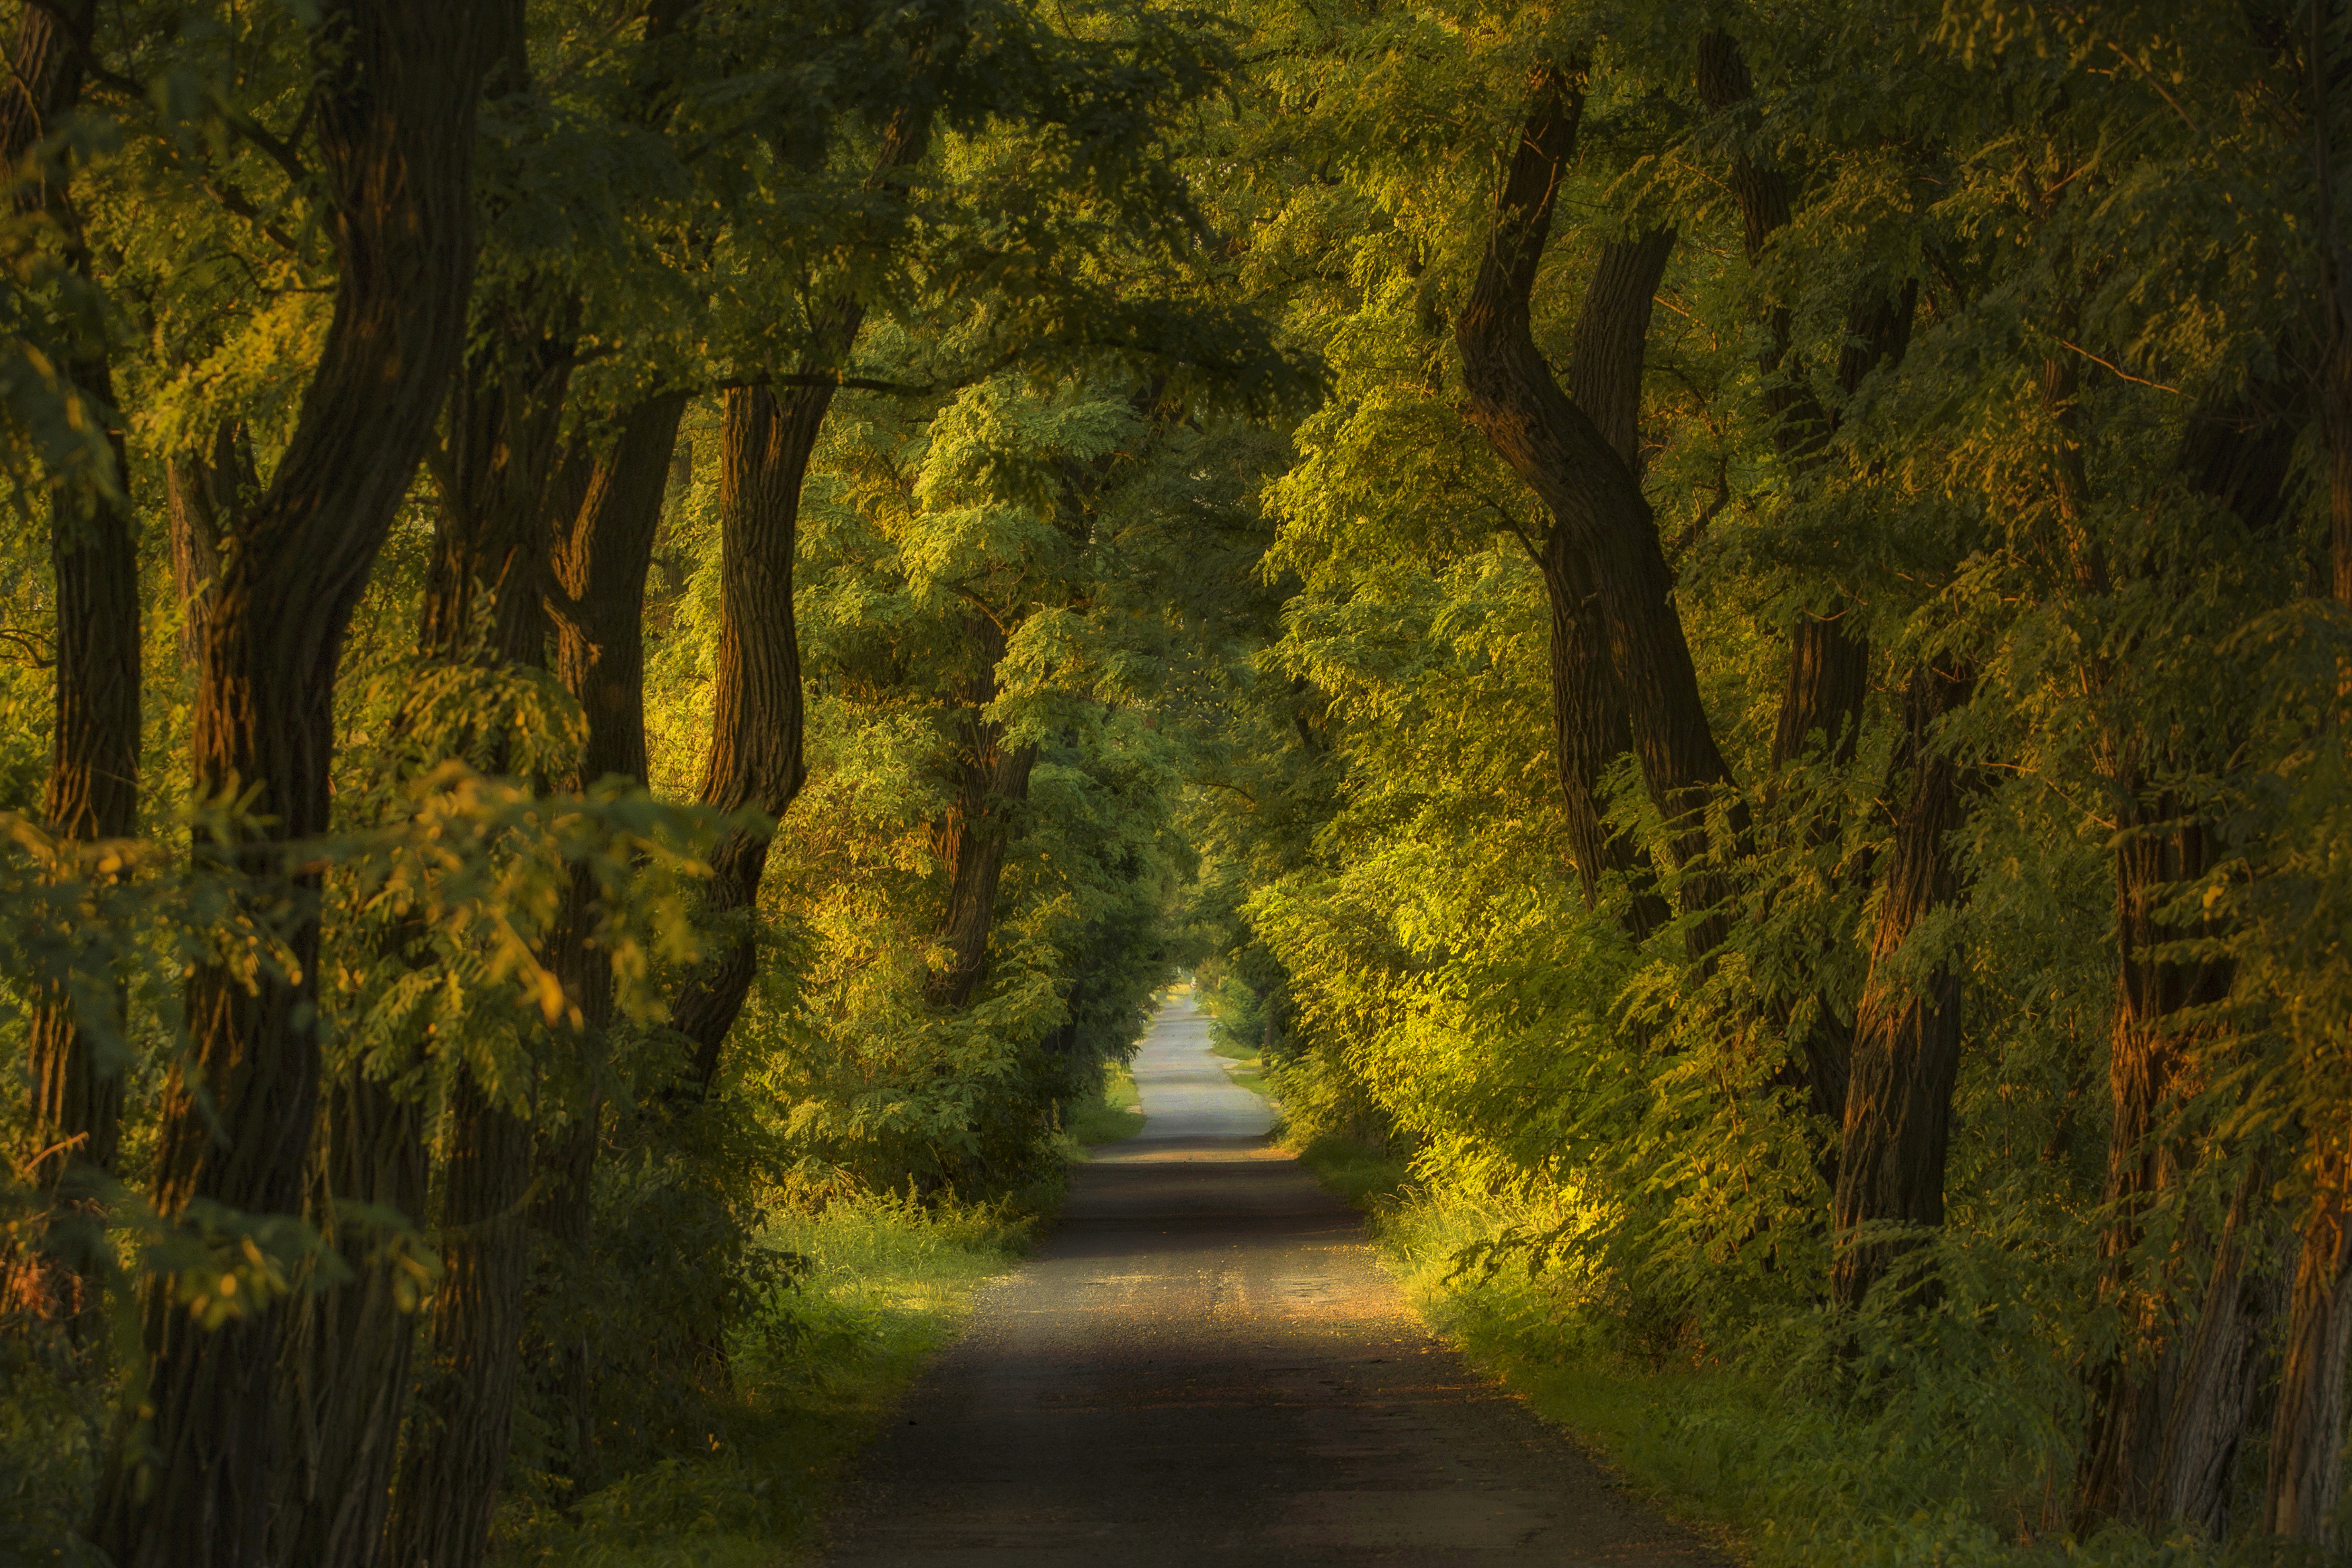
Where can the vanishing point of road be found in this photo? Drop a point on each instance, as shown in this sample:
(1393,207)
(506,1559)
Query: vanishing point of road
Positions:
(1204,1364)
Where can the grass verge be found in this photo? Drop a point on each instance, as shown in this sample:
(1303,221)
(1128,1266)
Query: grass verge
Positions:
(1243,1066)
(883,1283)
(1930,1475)
(1117,1113)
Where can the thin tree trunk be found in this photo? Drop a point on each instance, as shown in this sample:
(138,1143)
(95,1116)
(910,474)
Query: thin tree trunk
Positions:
(1593,495)
(603,535)
(92,793)
(991,787)
(482,600)
(393,115)
(1906,1041)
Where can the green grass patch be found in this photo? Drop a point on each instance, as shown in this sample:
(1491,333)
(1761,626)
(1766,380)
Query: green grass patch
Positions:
(1243,1066)
(1115,1113)
(1737,1446)
(1367,1179)
(882,1284)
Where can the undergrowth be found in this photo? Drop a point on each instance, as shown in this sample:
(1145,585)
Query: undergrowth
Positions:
(1758,1443)
(1115,1113)
(872,1285)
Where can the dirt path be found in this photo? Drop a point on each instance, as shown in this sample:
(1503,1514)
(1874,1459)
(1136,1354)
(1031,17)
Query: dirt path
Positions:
(1204,1364)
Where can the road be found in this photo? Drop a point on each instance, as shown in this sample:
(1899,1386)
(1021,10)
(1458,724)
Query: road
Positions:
(1204,1364)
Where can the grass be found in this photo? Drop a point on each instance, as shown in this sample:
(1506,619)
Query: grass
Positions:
(887,1284)
(1929,1477)
(1117,1113)
(1243,1066)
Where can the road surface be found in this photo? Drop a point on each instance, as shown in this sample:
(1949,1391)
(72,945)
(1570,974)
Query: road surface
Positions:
(1204,1364)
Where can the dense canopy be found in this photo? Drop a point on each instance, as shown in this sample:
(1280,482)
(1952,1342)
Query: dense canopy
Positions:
(1722,631)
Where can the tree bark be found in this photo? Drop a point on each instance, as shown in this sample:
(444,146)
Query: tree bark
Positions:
(1593,495)
(765,439)
(1906,1042)
(603,533)
(2305,1481)
(2221,1373)
(2239,454)
(482,601)
(92,792)
(1590,730)
(991,787)
(394,111)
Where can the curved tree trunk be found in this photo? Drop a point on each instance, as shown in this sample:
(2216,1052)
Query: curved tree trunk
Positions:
(1592,493)
(765,441)
(604,541)
(394,111)
(1906,1043)
(991,787)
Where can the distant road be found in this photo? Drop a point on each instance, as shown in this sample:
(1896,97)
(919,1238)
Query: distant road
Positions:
(1205,1365)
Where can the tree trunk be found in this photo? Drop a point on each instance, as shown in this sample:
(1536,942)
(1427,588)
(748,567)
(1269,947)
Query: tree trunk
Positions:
(1906,1042)
(393,115)
(1590,730)
(482,601)
(765,441)
(348,1351)
(2305,1481)
(991,787)
(1593,495)
(2221,1376)
(603,534)
(2239,454)
(92,792)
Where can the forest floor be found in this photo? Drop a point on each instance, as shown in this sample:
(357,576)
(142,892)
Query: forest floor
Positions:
(1205,1361)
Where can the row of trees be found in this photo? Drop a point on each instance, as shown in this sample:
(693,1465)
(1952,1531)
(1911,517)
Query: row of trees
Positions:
(1811,739)
(483,468)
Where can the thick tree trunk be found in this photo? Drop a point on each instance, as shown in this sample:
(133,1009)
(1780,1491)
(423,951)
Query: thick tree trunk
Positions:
(1906,1041)
(2305,1481)
(765,441)
(394,113)
(2220,1374)
(347,1357)
(2240,455)
(991,787)
(1590,730)
(1592,493)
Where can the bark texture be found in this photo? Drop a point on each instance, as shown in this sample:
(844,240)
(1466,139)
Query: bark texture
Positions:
(991,787)
(92,793)
(482,602)
(1907,1040)
(1591,491)
(605,509)
(765,440)
(2240,455)
(393,113)
(2305,1481)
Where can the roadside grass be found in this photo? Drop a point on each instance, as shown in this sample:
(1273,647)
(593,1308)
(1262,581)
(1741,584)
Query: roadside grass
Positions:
(1925,1477)
(1243,1066)
(1117,1113)
(882,1284)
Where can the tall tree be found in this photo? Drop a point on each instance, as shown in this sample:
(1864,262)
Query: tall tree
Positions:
(392,117)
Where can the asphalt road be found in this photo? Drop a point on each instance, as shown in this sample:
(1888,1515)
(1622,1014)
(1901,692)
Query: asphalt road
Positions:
(1204,1364)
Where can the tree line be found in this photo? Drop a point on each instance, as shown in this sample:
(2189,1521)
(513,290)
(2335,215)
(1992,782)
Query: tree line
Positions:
(478,470)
